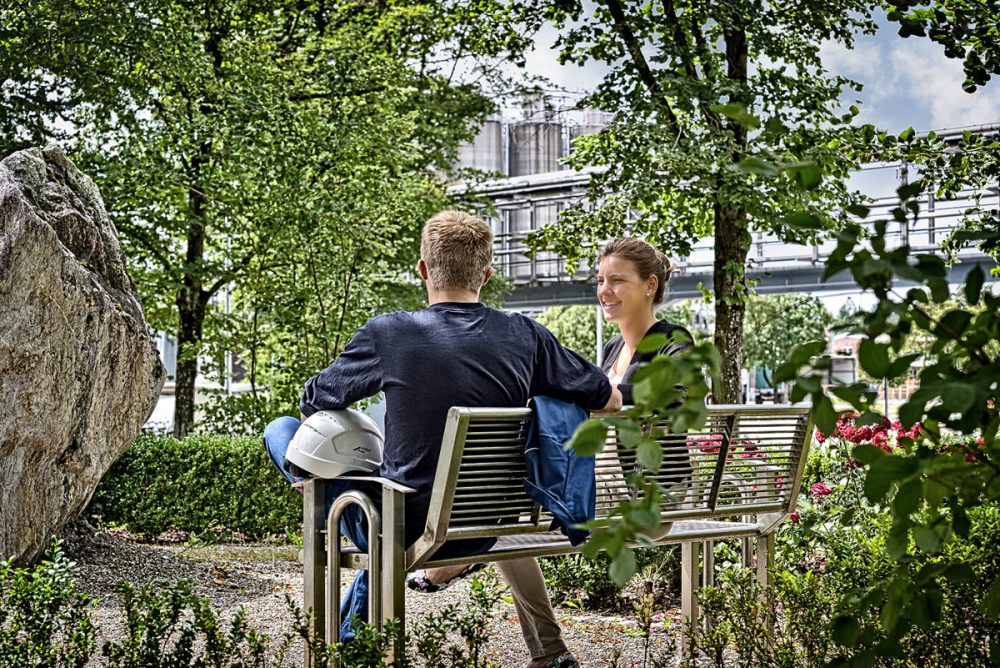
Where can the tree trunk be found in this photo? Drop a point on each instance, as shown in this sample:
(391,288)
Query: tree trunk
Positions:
(732,244)
(191,315)
(191,302)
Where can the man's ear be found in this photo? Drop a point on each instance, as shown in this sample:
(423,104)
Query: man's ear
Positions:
(489,275)
(422,268)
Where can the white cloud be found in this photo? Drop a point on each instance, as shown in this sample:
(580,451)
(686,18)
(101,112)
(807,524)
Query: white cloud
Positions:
(860,63)
(910,83)
(935,82)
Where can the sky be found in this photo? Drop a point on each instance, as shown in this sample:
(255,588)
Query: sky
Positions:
(907,82)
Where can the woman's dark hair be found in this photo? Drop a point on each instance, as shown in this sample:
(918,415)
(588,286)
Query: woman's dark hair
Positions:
(647,260)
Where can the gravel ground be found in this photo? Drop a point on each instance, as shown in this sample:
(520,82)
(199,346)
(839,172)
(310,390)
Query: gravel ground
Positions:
(258,578)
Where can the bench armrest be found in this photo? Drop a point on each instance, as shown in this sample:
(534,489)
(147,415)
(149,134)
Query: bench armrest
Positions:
(384,482)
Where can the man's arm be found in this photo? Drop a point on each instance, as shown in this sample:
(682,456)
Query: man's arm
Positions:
(356,374)
(564,374)
(614,401)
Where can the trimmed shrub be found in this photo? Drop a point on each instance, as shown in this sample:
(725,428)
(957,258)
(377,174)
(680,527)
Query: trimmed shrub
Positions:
(194,484)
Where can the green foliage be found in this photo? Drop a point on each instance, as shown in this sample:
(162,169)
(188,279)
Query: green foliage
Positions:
(671,386)
(576,328)
(578,580)
(44,620)
(679,109)
(720,109)
(194,484)
(774,325)
(435,636)
(824,599)
(46,623)
(966,30)
(581,581)
(168,625)
(277,156)
(739,609)
(928,486)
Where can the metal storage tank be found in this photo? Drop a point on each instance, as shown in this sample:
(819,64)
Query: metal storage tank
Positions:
(593,122)
(486,151)
(535,147)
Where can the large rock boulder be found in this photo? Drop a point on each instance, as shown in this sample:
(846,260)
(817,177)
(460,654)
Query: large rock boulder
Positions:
(78,372)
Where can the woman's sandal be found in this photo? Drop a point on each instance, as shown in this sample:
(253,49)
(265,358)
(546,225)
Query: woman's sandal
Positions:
(418,581)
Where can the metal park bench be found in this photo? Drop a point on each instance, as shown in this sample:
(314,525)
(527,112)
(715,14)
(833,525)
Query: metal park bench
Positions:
(737,478)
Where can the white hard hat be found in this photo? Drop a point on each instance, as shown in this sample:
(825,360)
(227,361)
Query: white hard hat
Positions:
(332,443)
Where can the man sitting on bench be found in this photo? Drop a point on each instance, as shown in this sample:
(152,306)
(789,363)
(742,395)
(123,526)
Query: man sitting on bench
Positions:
(455,352)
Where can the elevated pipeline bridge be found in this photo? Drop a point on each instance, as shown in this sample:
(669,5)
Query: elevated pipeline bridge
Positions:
(526,203)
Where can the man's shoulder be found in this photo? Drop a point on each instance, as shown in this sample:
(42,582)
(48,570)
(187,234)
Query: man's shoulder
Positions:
(389,323)
(390,319)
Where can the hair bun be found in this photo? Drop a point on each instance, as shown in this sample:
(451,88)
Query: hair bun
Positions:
(668,266)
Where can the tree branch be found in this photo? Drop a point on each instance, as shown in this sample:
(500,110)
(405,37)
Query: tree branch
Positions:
(680,38)
(232,272)
(639,60)
(330,95)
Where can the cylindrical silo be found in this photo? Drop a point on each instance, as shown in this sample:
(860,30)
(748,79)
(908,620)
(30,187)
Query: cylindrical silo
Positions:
(593,122)
(486,151)
(535,147)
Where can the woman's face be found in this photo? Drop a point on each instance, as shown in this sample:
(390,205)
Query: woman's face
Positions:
(623,294)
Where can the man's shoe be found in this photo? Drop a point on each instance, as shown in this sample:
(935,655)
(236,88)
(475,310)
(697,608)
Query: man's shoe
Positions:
(564,660)
(418,581)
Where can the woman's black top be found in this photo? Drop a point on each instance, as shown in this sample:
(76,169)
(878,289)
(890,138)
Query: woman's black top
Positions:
(614,347)
(676,468)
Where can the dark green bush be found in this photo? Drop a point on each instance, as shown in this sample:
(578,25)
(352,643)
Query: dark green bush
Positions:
(195,483)
(44,620)
(576,580)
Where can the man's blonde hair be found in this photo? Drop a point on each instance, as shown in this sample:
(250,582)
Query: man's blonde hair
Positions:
(458,249)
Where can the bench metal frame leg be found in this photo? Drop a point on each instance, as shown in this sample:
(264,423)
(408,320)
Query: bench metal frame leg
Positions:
(342,502)
(314,580)
(765,558)
(386,561)
(765,562)
(690,575)
(393,584)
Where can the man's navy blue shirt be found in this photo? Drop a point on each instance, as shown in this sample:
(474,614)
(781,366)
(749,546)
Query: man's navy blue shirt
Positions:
(449,354)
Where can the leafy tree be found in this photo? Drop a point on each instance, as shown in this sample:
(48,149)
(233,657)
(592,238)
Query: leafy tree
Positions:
(280,149)
(776,324)
(929,484)
(683,158)
(575,327)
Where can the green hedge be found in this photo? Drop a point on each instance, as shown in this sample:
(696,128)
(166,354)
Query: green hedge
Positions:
(195,483)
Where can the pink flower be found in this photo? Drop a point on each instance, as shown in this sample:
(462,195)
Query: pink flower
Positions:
(794,517)
(881,440)
(820,489)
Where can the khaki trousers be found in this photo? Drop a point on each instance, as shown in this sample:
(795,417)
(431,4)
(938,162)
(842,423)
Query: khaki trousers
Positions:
(541,631)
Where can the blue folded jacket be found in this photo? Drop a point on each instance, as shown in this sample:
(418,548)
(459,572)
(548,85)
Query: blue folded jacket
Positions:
(558,480)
